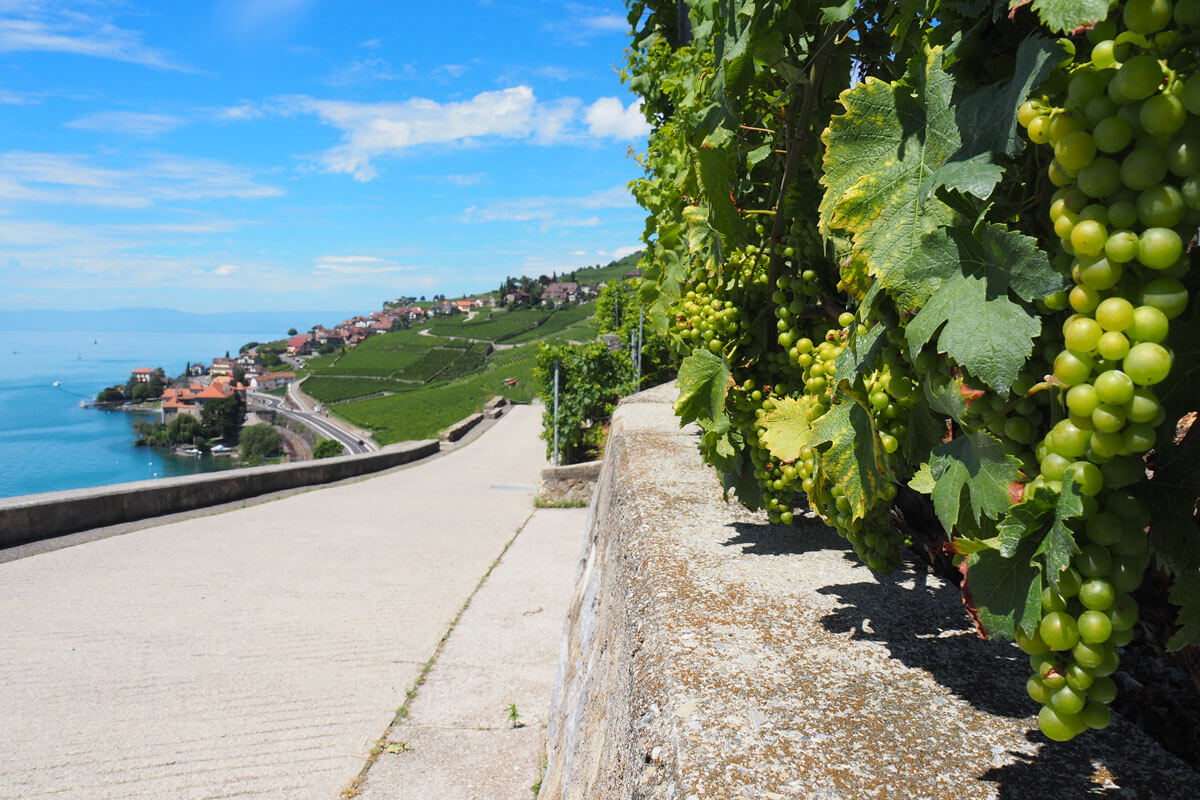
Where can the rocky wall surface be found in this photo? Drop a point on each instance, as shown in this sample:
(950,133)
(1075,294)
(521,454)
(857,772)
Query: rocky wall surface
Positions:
(710,654)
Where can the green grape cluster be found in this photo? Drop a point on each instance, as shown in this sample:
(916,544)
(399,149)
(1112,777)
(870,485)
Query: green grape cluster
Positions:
(1126,140)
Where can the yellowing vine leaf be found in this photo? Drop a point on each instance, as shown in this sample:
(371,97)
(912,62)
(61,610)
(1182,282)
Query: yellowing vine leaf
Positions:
(878,157)
(789,427)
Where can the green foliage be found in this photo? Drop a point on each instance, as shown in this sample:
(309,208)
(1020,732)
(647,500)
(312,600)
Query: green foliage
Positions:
(328,448)
(259,443)
(591,380)
(222,418)
(867,285)
(183,429)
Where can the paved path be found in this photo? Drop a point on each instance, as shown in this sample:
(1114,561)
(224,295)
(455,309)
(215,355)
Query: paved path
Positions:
(260,652)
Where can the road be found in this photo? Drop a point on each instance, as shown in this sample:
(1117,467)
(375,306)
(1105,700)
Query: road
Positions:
(263,651)
(321,424)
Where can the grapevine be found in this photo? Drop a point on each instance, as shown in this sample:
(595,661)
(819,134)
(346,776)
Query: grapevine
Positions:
(965,279)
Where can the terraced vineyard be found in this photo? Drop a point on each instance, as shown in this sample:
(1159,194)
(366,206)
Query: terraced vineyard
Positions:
(411,384)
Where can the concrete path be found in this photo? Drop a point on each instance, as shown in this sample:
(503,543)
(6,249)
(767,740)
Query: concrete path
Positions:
(457,740)
(260,652)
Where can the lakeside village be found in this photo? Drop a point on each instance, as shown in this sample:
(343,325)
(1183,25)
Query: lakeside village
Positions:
(204,409)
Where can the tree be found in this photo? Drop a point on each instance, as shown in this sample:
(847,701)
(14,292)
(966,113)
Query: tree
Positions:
(591,380)
(141,392)
(259,443)
(291,331)
(183,429)
(328,448)
(222,418)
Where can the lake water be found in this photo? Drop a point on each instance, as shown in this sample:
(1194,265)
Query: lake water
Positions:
(49,443)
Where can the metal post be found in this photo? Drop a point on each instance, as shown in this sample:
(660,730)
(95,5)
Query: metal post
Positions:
(556,412)
(641,329)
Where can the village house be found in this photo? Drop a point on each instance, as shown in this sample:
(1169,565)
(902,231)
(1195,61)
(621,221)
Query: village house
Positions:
(300,345)
(560,292)
(222,367)
(465,306)
(271,380)
(142,374)
(191,399)
(196,369)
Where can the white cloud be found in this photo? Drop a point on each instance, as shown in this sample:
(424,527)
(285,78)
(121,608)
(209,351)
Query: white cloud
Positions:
(371,44)
(250,16)
(240,112)
(607,117)
(128,123)
(621,252)
(227,269)
(66,178)
(473,179)
(9,97)
(586,22)
(363,70)
(548,212)
(356,265)
(370,130)
(37,27)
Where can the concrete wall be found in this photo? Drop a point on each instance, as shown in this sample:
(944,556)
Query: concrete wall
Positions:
(41,516)
(709,654)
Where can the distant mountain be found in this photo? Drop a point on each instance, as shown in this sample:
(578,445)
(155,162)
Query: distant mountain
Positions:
(168,320)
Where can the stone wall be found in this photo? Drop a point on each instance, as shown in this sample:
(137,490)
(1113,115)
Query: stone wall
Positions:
(569,484)
(709,654)
(30,518)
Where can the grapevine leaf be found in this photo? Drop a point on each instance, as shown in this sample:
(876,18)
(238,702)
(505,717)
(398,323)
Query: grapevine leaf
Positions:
(837,12)
(904,133)
(975,462)
(703,381)
(1063,16)
(977,176)
(923,480)
(945,398)
(717,177)
(858,357)
(925,431)
(1059,545)
(1007,591)
(1185,593)
(788,428)
(855,459)
(1024,520)
(988,116)
(757,154)
(985,330)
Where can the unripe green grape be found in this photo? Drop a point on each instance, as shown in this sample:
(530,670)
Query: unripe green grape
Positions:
(1059,630)
(1104,528)
(1146,16)
(1068,439)
(1161,206)
(1114,387)
(1104,446)
(1102,54)
(1069,582)
(1112,346)
(1060,728)
(1121,247)
(1142,168)
(1147,363)
(1094,561)
(1144,406)
(1083,299)
(1082,399)
(1137,79)
(1099,178)
(1089,654)
(1183,154)
(1038,130)
(1072,368)
(1075,150)
(1097,212)
(1084,85)
(1036,689)
(1159,248)
(1162,115)
(1101,273)
(1097,594)
(1059,175)
(1126,576)
(1099,108)
(1111,135)
(1123,214)
(1167,295)
(1096,716)
(1138,438)
(1067,700)
(1082,334)
(1064,123)
(1114,314)
(1094,627)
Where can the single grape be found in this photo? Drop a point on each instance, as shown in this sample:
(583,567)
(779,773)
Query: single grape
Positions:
(1167,295)
(1142,168)
(1146,16)
(1111,135)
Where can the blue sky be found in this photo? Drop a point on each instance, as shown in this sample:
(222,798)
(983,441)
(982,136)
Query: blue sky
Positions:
(307,154)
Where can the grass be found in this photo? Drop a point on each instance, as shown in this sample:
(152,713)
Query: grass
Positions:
(492,326)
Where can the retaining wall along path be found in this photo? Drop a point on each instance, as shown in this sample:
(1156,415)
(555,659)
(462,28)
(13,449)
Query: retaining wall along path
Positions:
(30,518)
(710,654)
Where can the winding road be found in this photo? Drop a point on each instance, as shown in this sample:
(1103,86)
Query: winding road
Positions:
(326,427)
